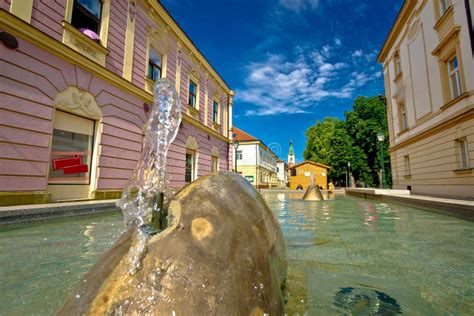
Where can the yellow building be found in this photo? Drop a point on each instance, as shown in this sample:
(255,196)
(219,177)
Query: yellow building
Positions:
(429,82)
(300,175)
(254,160)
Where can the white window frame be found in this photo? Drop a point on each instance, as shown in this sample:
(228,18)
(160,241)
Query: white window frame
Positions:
(151,60)
(453,73)
(214,162)
(398,64)
(406,161)
(193,165)
(463,150)
(444,6)
(217,118)
(403,116)
(239,155)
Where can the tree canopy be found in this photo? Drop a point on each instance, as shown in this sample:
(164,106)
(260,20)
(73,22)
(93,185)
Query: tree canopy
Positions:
(337,143)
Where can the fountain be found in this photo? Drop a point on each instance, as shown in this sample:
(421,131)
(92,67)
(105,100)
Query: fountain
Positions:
(313,192)
(222,251)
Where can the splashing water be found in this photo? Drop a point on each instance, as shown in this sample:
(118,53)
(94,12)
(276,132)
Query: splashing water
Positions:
(143,195)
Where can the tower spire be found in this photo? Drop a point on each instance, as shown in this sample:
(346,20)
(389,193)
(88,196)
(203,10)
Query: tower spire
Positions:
(291,155)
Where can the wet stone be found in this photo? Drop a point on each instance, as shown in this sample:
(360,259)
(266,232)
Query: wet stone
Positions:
(229,259)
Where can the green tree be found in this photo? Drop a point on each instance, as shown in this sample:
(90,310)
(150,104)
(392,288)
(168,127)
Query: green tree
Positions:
(329,143)
(336,142)
(364,122)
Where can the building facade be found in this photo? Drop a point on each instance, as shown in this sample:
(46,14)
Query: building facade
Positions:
(76,91)
(282,173)
(255,161)
(429,82)
(301,174)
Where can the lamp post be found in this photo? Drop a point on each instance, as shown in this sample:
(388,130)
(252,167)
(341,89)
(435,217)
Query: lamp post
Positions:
(381,138)
(349,168)
(236,146)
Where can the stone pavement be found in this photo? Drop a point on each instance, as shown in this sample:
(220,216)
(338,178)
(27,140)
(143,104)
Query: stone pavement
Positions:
(459,208)
(40,212)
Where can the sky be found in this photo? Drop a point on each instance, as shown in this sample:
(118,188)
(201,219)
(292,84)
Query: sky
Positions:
(291,63)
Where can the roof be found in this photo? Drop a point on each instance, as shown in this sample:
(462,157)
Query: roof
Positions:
(242,136)
(312,163)
(291,150)
(400,21)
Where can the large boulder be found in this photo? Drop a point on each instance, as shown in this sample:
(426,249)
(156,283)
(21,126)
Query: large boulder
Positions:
(223,254)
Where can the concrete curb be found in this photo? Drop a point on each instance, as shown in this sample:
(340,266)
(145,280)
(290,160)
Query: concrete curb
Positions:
(459,208)
(41,212)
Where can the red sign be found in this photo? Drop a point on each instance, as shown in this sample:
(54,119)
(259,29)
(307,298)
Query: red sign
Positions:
(71,165)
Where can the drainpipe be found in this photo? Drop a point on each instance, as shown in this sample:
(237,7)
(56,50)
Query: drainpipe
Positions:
(470,24)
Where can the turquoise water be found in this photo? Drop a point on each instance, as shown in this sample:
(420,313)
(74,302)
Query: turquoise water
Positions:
(40,263)
(421,262)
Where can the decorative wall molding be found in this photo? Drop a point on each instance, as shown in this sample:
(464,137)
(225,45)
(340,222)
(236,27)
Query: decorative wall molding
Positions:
(191,143)
(414,29)
(78,102)
(214,151)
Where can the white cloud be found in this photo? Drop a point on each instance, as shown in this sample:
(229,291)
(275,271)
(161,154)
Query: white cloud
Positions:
(279,85)
(299,5)
(358,53)
(370,57)
(337,41)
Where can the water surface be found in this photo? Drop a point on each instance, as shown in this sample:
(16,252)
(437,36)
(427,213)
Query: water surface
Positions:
(423,261)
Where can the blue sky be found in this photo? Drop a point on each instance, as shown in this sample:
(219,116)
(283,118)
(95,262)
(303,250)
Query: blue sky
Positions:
(290,62)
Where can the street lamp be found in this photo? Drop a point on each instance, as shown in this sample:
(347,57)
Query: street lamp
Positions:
(349,167)
(236,146)
(381,138)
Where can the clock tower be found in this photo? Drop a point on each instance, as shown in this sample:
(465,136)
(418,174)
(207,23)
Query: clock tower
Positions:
(291,155)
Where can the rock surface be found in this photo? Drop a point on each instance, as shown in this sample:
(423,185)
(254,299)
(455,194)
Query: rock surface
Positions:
(223,254)
(313,193)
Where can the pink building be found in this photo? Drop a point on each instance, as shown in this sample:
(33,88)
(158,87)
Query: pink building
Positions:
(75,93)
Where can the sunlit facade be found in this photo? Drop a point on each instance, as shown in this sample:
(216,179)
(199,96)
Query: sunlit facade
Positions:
(76,93)
(429,83)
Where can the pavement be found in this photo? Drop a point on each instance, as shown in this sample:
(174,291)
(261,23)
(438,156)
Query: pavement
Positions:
(455,207)
(41,212)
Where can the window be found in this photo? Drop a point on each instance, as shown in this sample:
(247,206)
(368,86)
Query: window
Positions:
(215,112)
(407,165)
(398,65)
(403,117)
(238,155)
(71,150)
(192,94)
(454,77)
(154,66)
(249,178)
(190,167)
(463,153)
(86,16)
(214,164)
(443,6)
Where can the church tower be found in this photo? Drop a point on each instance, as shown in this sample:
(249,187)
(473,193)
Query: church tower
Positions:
(291,155)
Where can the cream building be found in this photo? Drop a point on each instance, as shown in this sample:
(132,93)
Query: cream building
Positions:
(429,83)
(254,160)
